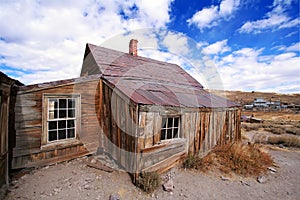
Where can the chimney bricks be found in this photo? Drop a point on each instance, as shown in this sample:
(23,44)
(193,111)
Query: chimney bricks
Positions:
(133,47)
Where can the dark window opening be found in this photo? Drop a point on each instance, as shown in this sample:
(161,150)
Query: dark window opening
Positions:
(61,118)
(170,128)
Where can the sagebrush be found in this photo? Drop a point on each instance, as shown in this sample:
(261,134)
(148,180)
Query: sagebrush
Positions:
(148,181)
(242,159)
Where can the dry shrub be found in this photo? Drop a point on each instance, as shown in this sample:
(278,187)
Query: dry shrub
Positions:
(250,127)
(148,181)
(276,130)
(239,158)
(286,140)
(293,130)
(243,159)
(194,162)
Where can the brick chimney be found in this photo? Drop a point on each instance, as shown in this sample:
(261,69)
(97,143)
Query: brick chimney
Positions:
(133,47)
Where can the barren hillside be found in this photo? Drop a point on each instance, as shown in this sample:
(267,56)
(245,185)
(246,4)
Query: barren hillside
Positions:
(248,97)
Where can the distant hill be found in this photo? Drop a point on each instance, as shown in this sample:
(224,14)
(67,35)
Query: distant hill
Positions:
(248,97)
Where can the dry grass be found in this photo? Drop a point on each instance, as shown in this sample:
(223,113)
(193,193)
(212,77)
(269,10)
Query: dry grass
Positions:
(148,181)
(246,160)
(277,128)
(286,140)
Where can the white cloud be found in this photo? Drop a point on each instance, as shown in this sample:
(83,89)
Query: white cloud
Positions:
(294,47)
(209,17)
(204,17)
(176,43)
(39,37)
(248,69)
(274,20)
(228,6)
(217,47)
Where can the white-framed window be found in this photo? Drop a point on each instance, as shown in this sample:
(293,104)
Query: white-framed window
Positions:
(62,114)
(170,127)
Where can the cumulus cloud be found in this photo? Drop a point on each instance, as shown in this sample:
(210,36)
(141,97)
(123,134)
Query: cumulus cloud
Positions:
(209,17)
(244,70)
(176,43)
(38,38)
(276,19)
(217,47)
(294,47)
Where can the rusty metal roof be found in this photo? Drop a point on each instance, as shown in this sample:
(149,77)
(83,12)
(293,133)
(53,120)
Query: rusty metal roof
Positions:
(151,82)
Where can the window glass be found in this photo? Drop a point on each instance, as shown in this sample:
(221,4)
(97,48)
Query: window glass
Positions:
(170,128)
(61,118)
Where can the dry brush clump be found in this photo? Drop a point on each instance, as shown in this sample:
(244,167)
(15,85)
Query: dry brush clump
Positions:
(286,140)
(148,181)
(242,159)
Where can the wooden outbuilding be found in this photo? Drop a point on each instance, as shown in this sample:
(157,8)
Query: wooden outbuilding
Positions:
(146,114)
(8,88)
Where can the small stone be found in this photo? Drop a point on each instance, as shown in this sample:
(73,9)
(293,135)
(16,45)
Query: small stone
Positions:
(261,179)
(114,197)
(223,178)
(87,187)
(169,186)
(245,183)
(272,169)
(171,193)
(93,161)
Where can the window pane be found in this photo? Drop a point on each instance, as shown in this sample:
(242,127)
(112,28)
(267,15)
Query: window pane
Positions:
(71,103)
(53,125)
(52,104)
(51,114)
(62,124)
(52,135)
(175,133)
(170,122)
(55,114)
(169,133)
(71,113)
(61,134)
(70,123)
(62,113)
(62,103)
(71,133)
(176,121)
(163,134)
(163,122)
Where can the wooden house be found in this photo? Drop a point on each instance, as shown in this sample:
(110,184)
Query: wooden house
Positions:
(146,114)
(8,88)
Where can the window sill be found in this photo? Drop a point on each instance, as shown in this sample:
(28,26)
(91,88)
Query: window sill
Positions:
(60,144)
(164,144)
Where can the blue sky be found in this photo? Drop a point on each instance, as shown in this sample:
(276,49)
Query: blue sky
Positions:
(250,45)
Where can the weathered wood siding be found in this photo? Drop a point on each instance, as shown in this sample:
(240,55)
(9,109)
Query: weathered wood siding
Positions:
(28,150)
(4,116)
(200,131)
(205,129)
(153,155)
(118,119)
(89,66)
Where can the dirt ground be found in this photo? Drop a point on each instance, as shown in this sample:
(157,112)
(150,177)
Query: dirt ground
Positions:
(75,180)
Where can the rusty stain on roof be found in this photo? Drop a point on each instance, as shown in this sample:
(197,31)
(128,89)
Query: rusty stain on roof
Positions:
(151,82)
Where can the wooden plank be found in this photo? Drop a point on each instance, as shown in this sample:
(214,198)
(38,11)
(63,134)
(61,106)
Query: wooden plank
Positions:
(100,167)
(148,131)
(197,133)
